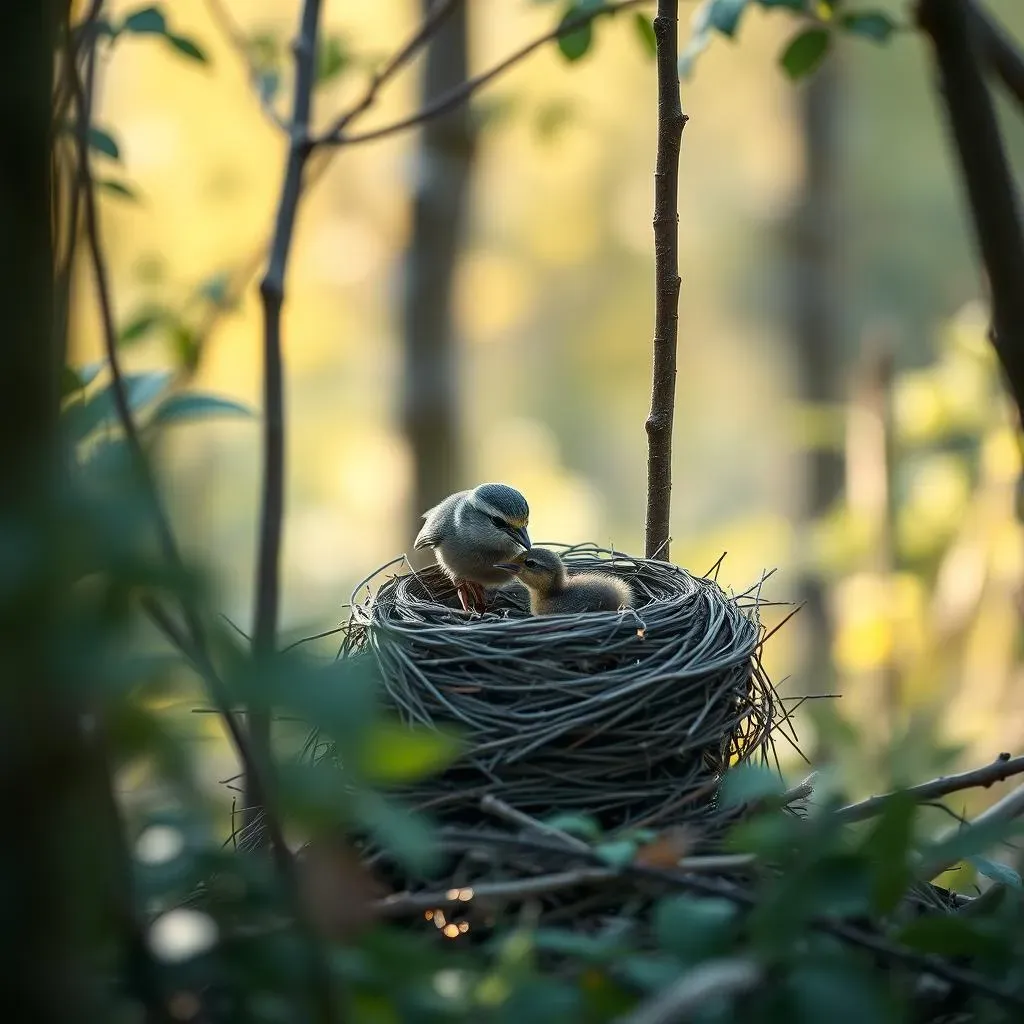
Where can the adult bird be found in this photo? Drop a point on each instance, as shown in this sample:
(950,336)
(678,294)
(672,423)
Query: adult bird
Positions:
(471,531)
(553,591)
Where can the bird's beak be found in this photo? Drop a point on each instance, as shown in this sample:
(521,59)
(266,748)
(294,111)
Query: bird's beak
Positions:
(519,533)
(511,567)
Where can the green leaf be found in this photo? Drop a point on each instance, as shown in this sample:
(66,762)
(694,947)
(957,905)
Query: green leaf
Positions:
(617,854)
(689,927)
(969,842)
(840,994)
(948,935)
(595,948)
(749,784)
(408,836)
(576,43)
(70,381)
(103,142)
(142,388)
(649,973)
(215,289)
(267,84)
(996,872)
(725,15)
(888,845)
(185,343)
(146,21)
(792,5)
(805,52)
(332,59)
(394,753)
(874,25)
(187,47)
(141,324)
(117,188)
(645,30)
(186,407)
(582,826)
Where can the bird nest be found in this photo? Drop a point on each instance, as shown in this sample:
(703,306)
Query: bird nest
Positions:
(629,717)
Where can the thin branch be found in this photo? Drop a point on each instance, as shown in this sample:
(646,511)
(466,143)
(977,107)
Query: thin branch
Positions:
(192,641)
(401,904)
(268,565)
(500,809)
(671,121)
(1000,50)
(1002,768)
(882,947)
(694,990)
(230,29)
(1007,809)
(428,27)
(327,147)
(456,97)
(989,185)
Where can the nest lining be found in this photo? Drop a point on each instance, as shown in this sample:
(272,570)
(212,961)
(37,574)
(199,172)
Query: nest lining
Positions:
(628,716)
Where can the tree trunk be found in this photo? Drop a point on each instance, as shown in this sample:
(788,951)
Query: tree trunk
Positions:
(39,738)
(816,329)
(444,164)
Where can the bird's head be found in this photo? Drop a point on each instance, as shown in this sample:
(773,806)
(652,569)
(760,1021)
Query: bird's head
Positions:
(539,569)
(504,508)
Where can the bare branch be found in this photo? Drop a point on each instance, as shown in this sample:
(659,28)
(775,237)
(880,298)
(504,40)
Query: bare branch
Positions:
(192,642)
(401,904)
(983,164)
(1000,50)
(1010,807)
(456,97)
(500,809)
(711,980)
(230,29)
(1002,768)
(272,292)
(429,26)
(671,121)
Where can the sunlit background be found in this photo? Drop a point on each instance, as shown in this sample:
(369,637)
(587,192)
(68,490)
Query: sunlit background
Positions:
(920,553)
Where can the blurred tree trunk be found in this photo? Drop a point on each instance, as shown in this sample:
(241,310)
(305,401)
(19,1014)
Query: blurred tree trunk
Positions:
(444,164)
(39,740)
(816,330)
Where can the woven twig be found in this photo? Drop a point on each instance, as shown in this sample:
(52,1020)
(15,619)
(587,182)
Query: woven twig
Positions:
(628,716)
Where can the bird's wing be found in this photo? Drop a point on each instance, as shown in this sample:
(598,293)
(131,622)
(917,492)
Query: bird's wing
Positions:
(434,522)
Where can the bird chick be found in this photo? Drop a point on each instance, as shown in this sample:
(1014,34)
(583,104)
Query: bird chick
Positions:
(471,532)
(553,591)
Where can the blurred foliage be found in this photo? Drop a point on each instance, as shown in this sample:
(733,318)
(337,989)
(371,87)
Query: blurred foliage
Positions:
(228,938)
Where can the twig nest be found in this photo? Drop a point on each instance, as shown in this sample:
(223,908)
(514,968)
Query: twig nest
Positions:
(628,716)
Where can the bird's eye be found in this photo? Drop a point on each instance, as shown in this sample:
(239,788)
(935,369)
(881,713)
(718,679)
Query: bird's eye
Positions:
(498,522)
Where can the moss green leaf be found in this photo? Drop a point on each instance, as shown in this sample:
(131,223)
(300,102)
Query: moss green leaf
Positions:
(805,52)
(645,31)
(187,47)
(146,21)
(394,753)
